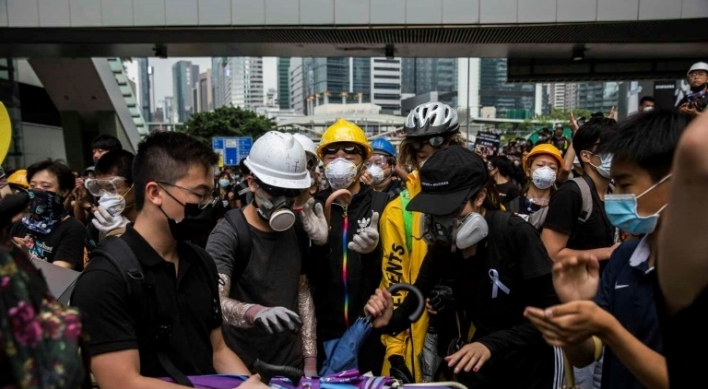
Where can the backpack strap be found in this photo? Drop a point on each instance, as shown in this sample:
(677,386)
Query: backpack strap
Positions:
(586,194)
(238,222)
(141,290)
(407,219)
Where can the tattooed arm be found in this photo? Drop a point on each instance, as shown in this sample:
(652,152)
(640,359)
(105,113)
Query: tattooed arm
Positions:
(306,309)
(234,311)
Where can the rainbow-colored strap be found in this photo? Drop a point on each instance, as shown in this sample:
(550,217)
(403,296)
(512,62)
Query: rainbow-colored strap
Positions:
(345,267)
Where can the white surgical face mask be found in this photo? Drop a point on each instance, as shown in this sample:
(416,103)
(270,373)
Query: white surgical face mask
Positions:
(605,165)
(543,177)
(341,173)
(377,173)
(471,231)
(112,202)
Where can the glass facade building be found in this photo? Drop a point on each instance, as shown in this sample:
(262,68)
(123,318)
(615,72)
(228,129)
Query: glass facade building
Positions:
(598,96)
(284,83)
(512,101)
(144,74)
(336,80)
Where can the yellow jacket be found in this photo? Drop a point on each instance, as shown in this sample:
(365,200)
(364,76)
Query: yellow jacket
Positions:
(402,259)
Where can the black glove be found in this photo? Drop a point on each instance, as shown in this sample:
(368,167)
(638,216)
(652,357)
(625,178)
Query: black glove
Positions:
(441,297)
(399,370)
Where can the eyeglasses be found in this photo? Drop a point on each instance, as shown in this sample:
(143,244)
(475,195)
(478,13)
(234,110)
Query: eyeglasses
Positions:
(204,199)
(99,186)
(277,192)
(435,141)
(349,148)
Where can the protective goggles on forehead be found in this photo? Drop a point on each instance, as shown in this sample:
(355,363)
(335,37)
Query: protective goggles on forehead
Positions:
(98,186)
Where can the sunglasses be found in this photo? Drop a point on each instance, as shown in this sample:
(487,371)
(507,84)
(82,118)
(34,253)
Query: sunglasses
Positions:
(348,148)
(435,141)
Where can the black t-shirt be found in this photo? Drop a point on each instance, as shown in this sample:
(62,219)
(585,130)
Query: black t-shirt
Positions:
(685,340)
(563,211)
(508,191)
(114,321)
(271,278)
(64,243)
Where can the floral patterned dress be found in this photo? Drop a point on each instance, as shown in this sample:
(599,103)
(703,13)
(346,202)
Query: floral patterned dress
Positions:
(39,337)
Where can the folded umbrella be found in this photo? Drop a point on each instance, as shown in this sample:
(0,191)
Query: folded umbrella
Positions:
(342,353)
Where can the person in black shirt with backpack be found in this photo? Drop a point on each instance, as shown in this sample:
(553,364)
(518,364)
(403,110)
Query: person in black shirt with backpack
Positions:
(150,299)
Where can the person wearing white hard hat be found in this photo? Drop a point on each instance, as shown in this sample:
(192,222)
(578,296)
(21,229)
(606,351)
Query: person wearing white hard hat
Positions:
(695,102)
(312,162)
(259,254)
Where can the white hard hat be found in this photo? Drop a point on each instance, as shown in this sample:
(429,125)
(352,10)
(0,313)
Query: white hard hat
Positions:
(306,144)
(278,160)
(698,66)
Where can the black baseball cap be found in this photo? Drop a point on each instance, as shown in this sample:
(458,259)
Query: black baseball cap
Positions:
(448,178)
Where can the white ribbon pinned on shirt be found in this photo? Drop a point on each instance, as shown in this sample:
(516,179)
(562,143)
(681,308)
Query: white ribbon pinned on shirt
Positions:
(494,276)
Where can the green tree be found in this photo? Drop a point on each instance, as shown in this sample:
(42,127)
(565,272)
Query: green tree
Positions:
(226,121)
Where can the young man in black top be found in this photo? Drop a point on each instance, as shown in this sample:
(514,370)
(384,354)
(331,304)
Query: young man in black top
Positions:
(174,180)
(48,231)
(103,144)
(563,233)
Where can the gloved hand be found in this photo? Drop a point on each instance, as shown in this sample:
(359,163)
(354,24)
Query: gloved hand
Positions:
(441,297)
(314,222)
(399,370)
(367,240)
(274,320)
(310,367)
(106,223)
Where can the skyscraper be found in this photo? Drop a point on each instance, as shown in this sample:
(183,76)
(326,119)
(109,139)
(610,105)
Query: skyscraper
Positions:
(218,81)
(144,73)
(598,96)
(344,80)
(386,84)
(284,83)
(296,85)
(204,93)
(512,101)
(243,82)
(423,75)
(563,96)
(184,78)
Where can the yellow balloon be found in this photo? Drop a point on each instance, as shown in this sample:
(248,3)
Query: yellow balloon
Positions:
(5,132)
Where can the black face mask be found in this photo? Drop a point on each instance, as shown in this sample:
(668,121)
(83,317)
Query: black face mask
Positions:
(196,220)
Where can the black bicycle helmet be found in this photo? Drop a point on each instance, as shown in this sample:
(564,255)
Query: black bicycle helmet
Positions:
(430,119)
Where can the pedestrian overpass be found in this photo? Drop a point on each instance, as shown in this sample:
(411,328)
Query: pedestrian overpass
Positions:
(545,40)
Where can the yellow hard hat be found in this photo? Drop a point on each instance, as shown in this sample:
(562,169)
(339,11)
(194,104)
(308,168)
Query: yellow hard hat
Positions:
(547,149)
(344,131)
(19,178)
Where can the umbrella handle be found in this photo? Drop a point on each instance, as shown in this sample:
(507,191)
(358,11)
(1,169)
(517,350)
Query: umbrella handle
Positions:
(411,289)
(268,371)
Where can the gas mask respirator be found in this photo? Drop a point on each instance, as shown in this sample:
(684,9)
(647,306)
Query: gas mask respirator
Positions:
(277,211)
(451,231)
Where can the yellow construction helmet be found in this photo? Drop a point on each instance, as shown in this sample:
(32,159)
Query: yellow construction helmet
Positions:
(547,149)
(19,178)
(344,131)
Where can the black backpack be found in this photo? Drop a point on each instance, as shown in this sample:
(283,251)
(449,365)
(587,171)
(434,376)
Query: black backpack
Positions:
(141,292)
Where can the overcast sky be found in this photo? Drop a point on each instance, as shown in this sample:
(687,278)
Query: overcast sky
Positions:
(163,73)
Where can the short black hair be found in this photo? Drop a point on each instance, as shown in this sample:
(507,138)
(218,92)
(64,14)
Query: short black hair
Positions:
(504,165)
(117,163)
(243,168)
(106,142)
(167,157)
(65,177)
(646,98)
(649,140)
(589,135)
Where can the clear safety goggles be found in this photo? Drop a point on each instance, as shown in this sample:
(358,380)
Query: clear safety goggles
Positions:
(98,186)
